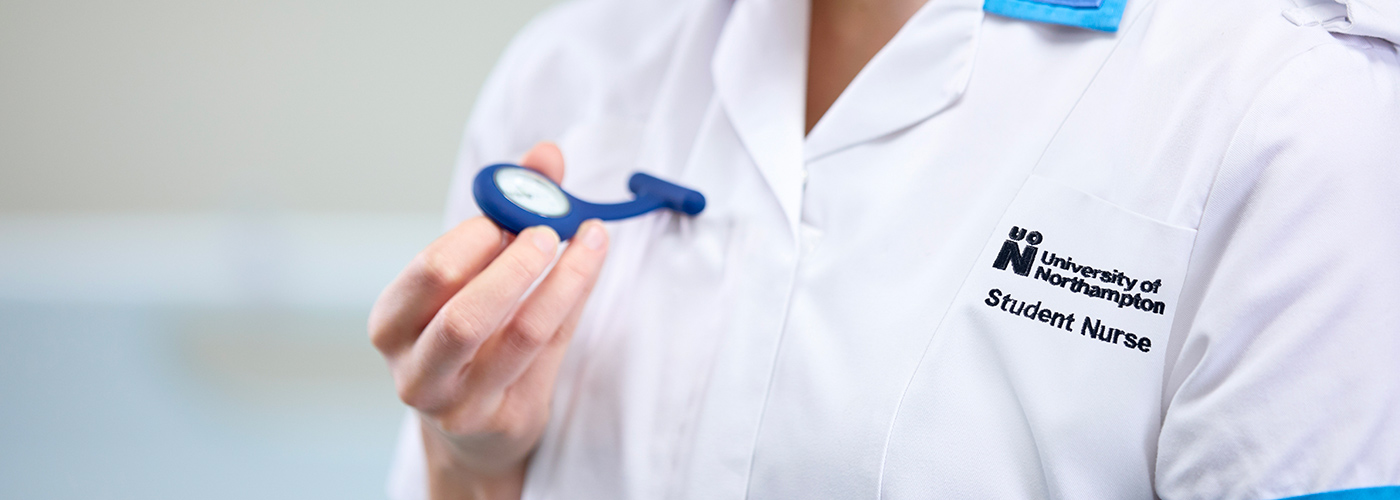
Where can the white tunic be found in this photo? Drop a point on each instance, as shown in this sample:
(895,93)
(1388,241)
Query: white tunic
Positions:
(1013,260)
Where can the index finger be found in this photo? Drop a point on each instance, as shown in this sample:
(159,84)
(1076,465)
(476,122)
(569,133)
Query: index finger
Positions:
(432,369)
(409,303)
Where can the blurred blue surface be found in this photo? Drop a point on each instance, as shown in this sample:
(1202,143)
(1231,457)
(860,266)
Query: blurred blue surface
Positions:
(200,382)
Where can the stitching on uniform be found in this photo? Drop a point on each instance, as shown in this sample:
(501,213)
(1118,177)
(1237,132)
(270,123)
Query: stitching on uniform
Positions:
(773,369)
(889,432)
(1191,262)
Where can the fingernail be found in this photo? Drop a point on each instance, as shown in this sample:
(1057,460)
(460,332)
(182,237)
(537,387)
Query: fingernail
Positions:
(593,236)
(544,239)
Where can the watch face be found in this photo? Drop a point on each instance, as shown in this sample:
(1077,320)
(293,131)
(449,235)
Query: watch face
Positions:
(532,191)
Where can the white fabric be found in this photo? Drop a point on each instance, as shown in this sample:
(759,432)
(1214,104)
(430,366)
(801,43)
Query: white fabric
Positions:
(1372,18)
(832,326)
(408,478)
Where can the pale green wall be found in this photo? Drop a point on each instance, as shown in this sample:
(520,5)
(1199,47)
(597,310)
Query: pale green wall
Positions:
(195,105)
(199,202)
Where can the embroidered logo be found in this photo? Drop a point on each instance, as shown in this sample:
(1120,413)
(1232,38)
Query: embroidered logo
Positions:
(1114,286)
(1060,271)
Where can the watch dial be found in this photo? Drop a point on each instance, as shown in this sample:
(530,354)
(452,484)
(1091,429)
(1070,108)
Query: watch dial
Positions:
(532,191)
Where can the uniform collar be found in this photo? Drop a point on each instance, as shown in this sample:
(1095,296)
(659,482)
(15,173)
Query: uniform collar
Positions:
(923,70)
(760,72)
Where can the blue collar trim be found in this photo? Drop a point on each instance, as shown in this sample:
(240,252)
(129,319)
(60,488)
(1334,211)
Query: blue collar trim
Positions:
(1082,4)
(1102,15)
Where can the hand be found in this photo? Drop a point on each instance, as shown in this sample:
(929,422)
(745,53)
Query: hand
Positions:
(475,362)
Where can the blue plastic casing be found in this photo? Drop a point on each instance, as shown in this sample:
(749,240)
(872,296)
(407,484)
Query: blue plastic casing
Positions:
(652,193)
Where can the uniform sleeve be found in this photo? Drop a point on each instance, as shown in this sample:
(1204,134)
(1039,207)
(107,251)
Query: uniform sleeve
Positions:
(1285,371)
(408,473)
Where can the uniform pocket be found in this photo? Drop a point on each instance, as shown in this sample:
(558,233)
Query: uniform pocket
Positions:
(1044,380)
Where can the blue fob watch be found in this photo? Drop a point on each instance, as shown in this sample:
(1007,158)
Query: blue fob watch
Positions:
(517,197)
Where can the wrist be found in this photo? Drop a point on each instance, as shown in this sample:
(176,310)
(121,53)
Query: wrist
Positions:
(451,477)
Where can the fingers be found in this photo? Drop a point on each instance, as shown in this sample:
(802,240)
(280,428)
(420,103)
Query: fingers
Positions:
(536,385)
(552,308)
(547,159)
(435,275)
(431,376)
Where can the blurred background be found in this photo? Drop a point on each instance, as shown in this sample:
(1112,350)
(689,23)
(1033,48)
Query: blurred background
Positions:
(199,201)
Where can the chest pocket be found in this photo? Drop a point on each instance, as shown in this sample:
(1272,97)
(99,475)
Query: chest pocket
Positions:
(1048,367)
